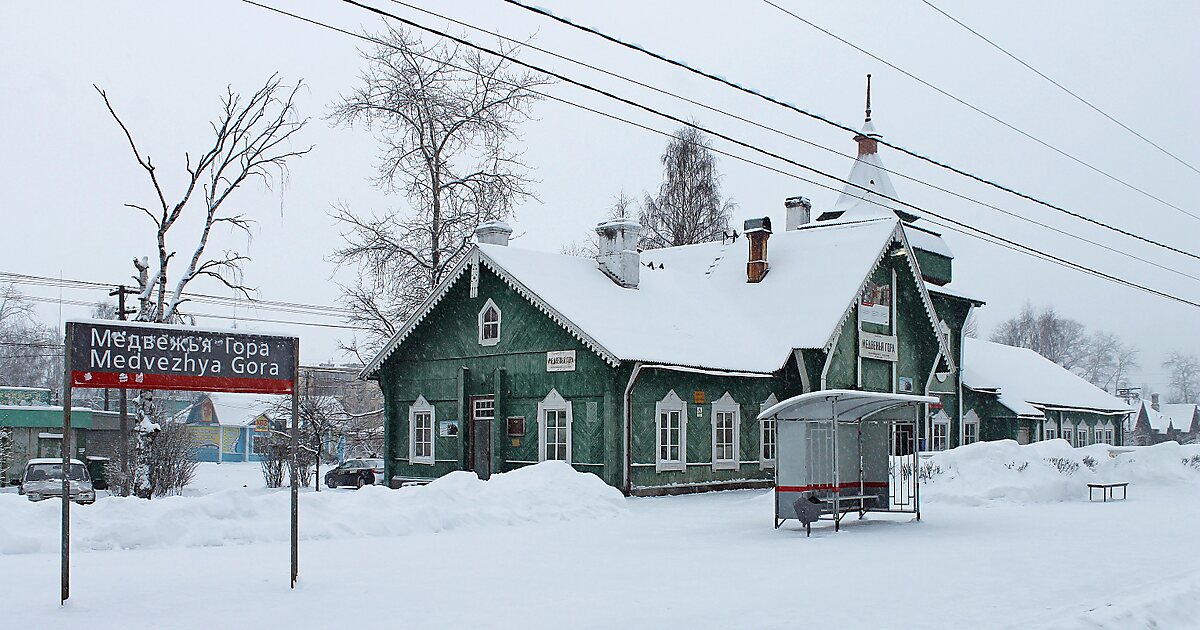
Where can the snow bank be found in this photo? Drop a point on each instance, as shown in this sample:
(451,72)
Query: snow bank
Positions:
(1050,471)
(549,491)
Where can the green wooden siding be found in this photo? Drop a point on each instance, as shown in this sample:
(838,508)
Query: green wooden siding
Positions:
(934,267)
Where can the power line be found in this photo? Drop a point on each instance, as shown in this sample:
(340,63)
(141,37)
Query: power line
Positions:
(833,123)
(768,128)
(982,112)
(1061,86)
(988,235)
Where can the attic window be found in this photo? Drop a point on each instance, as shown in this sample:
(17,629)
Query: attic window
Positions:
(489,324)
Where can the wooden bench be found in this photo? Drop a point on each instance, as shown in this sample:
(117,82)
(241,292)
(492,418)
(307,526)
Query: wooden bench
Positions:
(1106,490)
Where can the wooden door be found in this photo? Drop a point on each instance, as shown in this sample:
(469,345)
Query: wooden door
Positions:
(483,414)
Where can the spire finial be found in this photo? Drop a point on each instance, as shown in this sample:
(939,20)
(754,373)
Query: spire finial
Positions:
(868,97)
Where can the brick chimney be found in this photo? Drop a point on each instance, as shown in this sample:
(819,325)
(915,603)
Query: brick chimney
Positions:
(799,212)
(493,233)
(1154,401)
(618,256)
(757,232)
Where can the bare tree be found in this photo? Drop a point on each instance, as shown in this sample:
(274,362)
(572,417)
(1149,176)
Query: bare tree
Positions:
(1060,339)
(1185,376)
(322,421)
(1107,361)
(444,118)
(688,207)
(251,141)
(30,350)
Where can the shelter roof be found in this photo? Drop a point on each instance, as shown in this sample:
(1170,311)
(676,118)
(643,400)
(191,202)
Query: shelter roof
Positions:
(846,405)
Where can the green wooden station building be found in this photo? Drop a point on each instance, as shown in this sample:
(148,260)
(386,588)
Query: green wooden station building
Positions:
(649,368)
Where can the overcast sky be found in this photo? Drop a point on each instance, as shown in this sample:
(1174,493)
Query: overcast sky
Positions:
(65,169)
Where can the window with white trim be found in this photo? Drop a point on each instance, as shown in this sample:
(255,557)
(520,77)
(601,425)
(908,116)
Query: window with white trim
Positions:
(1108,435)
(970,432)
(671,433)
(941,431)
(554,428)
(421,418)
(1099,436)
(726,421)
(489,324)
(766,435)
(1068,434)
(1049,433)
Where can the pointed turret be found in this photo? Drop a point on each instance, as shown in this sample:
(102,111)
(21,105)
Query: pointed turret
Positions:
(855,203)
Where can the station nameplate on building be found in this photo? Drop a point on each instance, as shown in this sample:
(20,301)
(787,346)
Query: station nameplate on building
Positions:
(560,361)
(881,347)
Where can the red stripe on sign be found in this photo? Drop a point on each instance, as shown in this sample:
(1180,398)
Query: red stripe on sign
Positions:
(129,380)
(849,485)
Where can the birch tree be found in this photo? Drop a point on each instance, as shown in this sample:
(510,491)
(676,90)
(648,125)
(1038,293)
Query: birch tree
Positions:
(1184,370)
(688,208)
(252,140)
(444,118)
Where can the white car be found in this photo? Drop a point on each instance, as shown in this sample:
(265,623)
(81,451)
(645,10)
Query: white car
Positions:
(43,479)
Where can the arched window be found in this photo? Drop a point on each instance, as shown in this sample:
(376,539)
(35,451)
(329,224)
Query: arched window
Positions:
(554,428)
(489,324)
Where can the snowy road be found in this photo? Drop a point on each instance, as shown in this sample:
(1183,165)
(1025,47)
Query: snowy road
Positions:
(704,561)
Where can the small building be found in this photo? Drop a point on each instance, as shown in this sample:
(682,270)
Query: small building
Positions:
(1153,422)
(226,427)
(1017,394)
(31,427)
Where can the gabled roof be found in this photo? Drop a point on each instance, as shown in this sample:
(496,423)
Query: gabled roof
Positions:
(231,409)
(693,306)
(1029,383)
(1182,415)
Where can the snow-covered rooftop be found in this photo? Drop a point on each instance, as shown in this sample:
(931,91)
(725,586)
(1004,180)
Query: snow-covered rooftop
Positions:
(1180,415)
(235,409)
(693,305)
(1028,382)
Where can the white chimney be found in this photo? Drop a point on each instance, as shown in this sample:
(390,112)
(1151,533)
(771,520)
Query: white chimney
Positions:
(799,212)
(493,233)
(618,256)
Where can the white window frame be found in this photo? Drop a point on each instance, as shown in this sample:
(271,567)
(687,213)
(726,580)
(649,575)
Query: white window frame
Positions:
(1098,435)
(1108,434)
(944,422)
(727,405)
(670,403)
(1068,433)
(767,426)
(1049,432)
(554,402)
(974,425)
(499,318)
(421,406)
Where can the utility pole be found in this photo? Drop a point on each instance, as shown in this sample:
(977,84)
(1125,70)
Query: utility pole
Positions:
(120,292)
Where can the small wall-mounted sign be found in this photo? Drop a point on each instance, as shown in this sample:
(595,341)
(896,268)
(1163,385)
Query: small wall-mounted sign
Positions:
(560,361)
(448,428)
(698,398)
(516,427)
(875,307)
(906,384)
(881,347)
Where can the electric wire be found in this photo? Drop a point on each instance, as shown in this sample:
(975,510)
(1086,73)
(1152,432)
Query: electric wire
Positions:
(1060,86)
(828,121)
(981,111)
(983,234)
(816,145)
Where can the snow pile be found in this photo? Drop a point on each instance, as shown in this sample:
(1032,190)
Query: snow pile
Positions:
(1049,471)
(550,491)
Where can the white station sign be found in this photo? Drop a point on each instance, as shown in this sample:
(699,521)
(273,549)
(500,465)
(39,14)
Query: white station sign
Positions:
(881,347)
(560,361)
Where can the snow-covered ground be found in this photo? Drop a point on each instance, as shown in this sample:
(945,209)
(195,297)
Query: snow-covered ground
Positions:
(1006,540)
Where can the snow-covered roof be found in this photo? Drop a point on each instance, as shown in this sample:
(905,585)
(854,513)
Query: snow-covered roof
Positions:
(50,460)
(921,238)
(1028,382)
(1180,415)
(694,307)
(946,289)
(234,409)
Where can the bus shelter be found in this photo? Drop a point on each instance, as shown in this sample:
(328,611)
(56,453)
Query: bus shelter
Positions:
(842,451)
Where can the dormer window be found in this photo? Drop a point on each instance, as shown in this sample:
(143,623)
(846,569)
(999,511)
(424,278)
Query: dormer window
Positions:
(489,324)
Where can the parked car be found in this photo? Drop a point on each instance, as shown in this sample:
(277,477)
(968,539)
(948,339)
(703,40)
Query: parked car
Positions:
(43,480)
(355,472)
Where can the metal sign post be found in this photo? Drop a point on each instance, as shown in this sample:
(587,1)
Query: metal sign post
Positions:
(66,467)
(136,355)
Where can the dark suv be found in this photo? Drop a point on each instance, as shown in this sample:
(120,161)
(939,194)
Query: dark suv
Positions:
(355,472)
